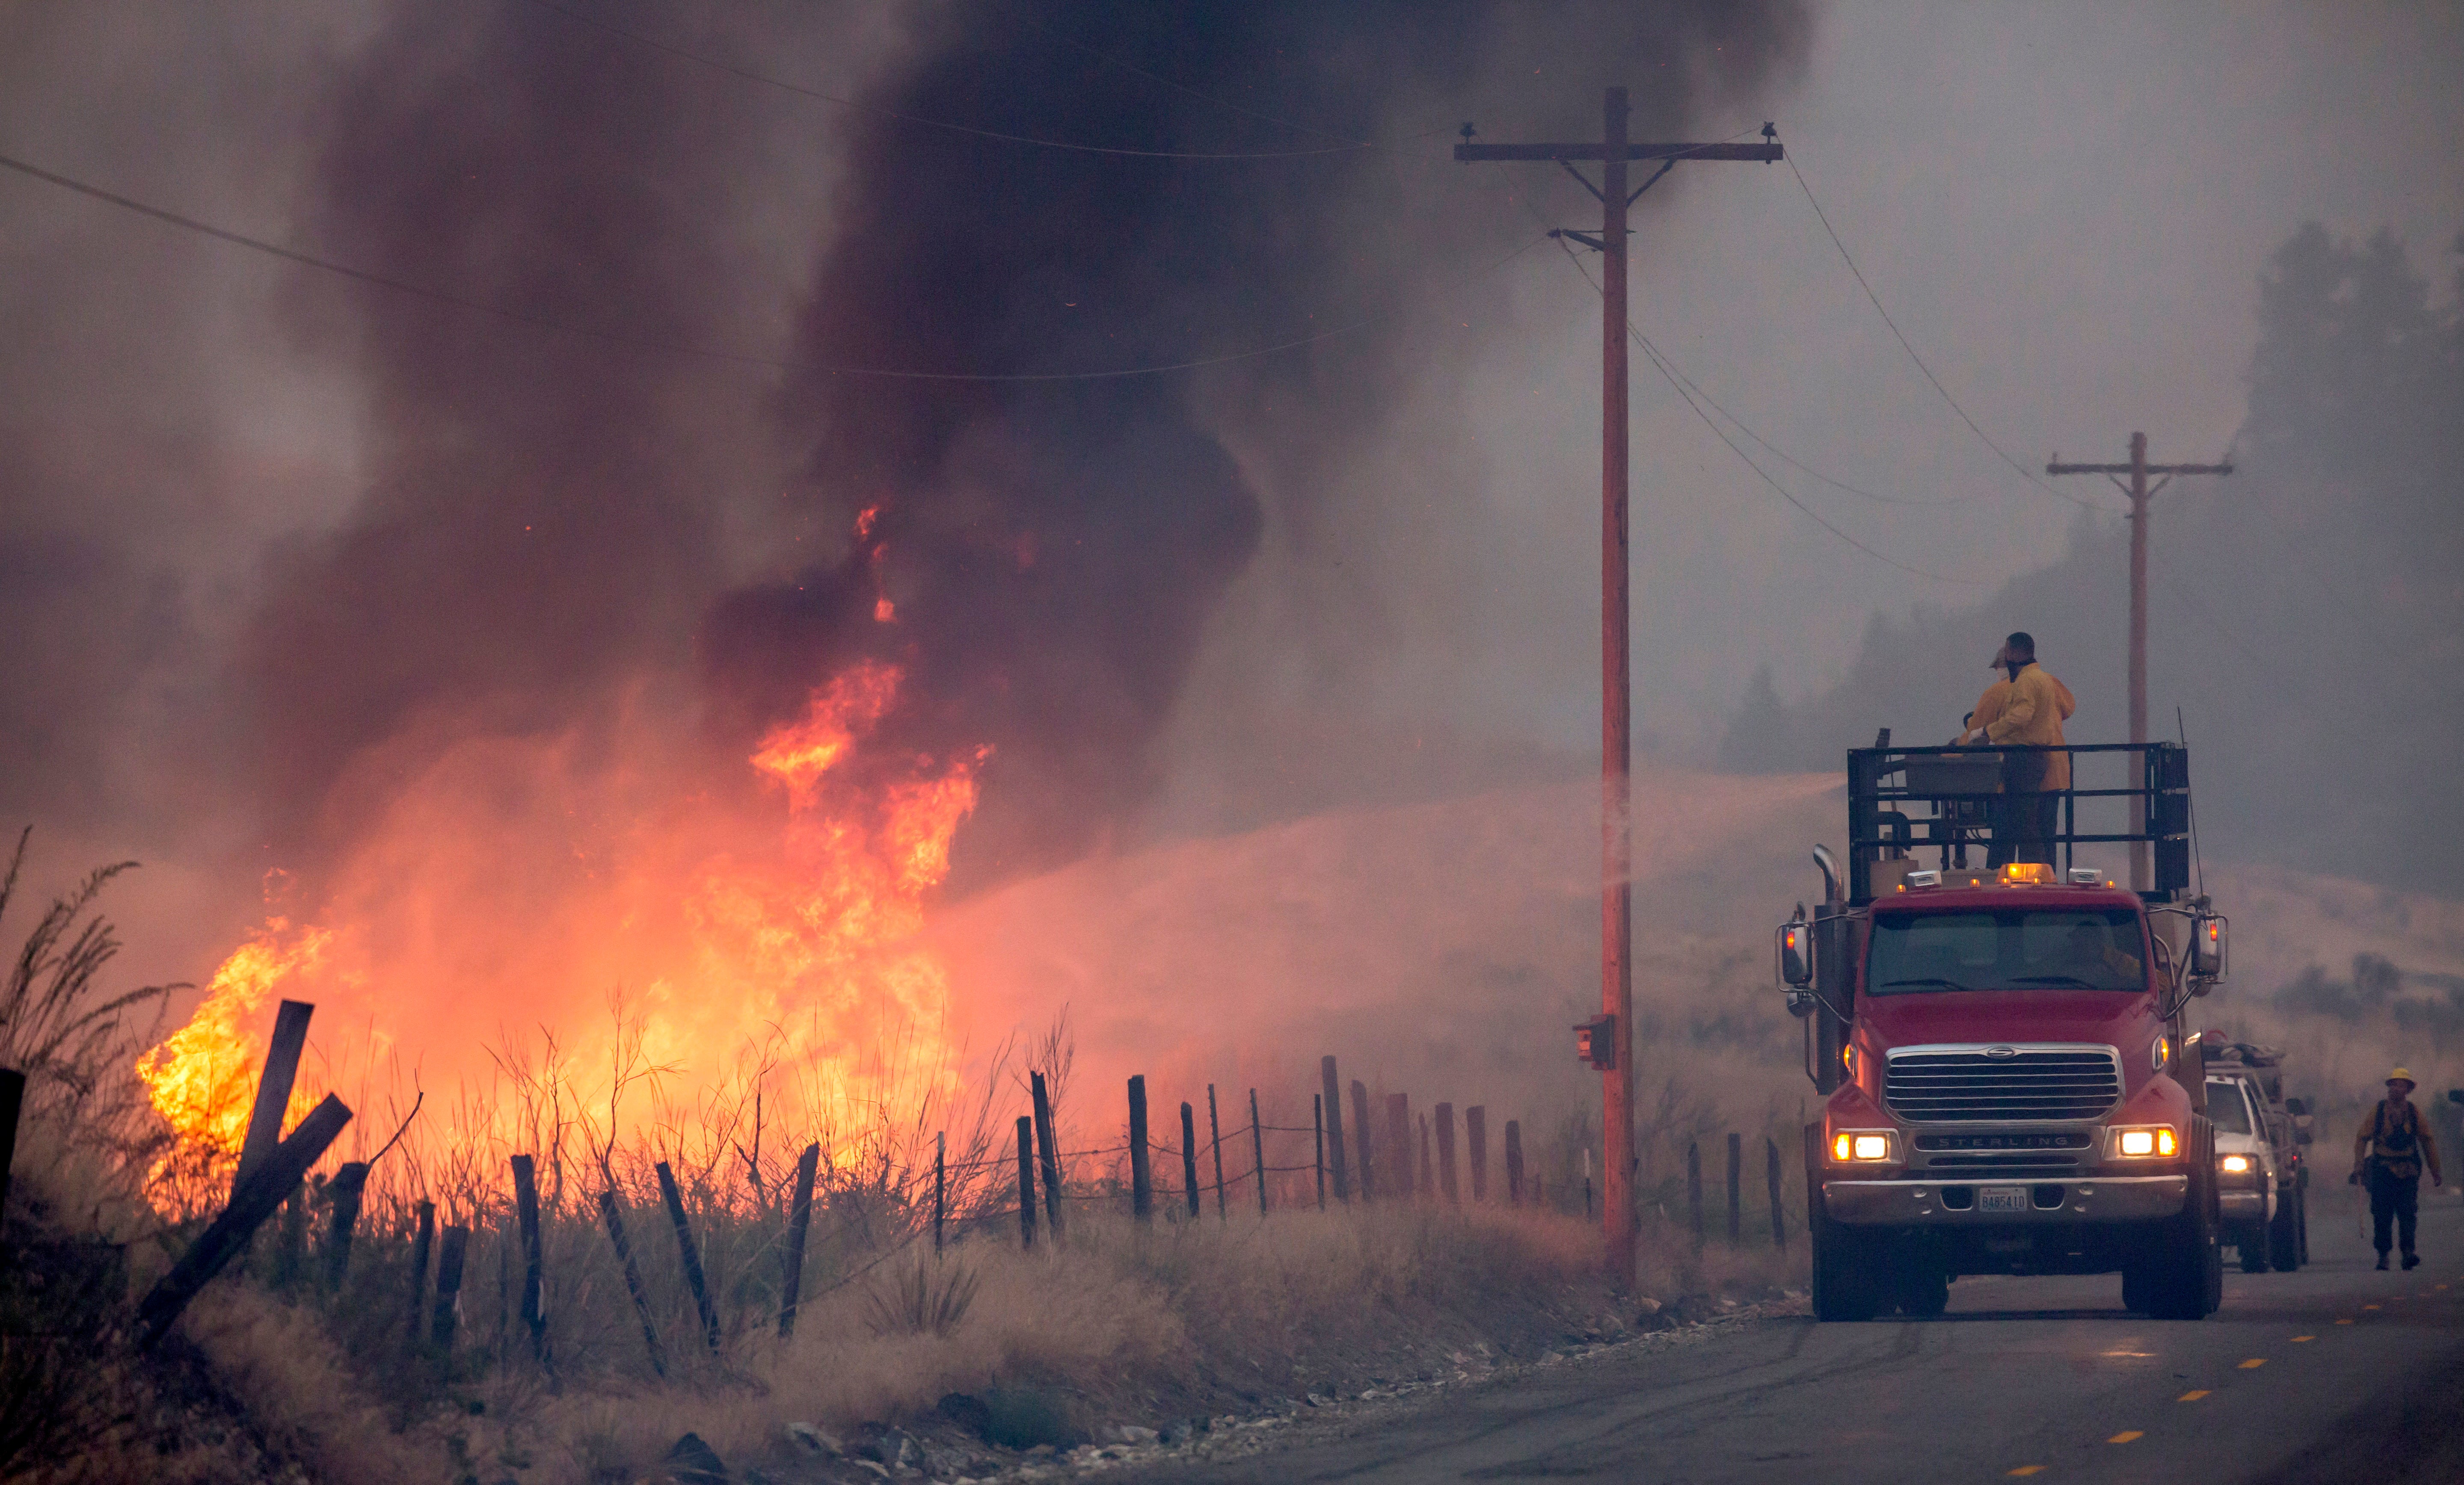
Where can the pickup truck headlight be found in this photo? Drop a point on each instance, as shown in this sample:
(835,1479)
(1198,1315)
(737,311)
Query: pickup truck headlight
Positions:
(2152,1142)
(2234,1165)
(1864,1147)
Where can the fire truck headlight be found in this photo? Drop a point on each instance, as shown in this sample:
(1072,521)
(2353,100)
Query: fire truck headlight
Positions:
(2159,1143)
(1851,1145)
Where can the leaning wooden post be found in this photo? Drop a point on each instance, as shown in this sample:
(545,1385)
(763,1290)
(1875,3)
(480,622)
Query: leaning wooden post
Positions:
(1736,1189)
(692,1253)
(799,1219)
(1141,1176)
(290,1238)
(1258,1150)
(274,1088)
(1043,1135)
(1476,1136)
(344,1189)
(940,1185)
(1025,1181)
(253,1201)
(1428,1167)
(448,1287)
(419,1247)
(1189,1156)
(1515,1163)
(1694,1189)
(13,1098)
(1317,1123)
(1361,1136)
(526,1214)
(1778,1213)
(613,1216)
(1398,1143)
(1215,1138)
(1330,1129)
(1447,1155)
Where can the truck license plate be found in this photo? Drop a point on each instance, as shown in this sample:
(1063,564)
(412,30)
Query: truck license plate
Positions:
(2002,1198)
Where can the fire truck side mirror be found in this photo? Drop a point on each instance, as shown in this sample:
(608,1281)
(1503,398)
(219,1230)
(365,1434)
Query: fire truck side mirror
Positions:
(2208,940)
(1794,949)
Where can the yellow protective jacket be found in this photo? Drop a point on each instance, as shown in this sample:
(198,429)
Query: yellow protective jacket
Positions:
(2030,712)
(2366,1145)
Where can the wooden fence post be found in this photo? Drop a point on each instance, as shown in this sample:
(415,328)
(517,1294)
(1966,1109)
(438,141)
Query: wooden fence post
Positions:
(940,1185)
(419,1247)
(344,1191)
(1362,1137)
(1189,1154)
(1330,1129)
(1736,1192)
(1694,1189)
(690,1252)
(1214,1142)
(1141,1173)
(610,1213)
(448,1287)
(800,1221)
(253,1201)
(1051,1154)
(273,1088)
(526,1215)
(1428,1187)
(1447,1155)
(1476,1135)
(1778,1215)
(290,1238)
(1026,1182)
(13,1099)
(1258,1150)
(1317,1121)
(1515,1163)
(1398,1143)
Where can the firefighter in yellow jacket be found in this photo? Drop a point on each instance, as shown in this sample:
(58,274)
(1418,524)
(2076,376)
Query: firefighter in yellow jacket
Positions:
(2030,712)
(2389,1150)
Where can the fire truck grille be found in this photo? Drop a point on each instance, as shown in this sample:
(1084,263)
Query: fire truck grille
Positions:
(1968,1086)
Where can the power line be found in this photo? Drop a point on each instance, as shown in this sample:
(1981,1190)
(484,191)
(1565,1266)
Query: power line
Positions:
(706,353)
(1875,300)
(1652,353)
(801,91)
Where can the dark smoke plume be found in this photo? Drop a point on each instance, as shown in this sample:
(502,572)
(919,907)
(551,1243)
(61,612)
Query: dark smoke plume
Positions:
(1052,549)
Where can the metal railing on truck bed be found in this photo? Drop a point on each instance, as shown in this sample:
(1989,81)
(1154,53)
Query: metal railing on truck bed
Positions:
(1964,803)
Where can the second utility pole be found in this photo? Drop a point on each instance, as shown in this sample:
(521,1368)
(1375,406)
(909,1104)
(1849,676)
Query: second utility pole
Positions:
(1616,1059)
(2139,491)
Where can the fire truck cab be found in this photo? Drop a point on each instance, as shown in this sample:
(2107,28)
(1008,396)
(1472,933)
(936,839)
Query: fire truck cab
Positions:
(2008,1085)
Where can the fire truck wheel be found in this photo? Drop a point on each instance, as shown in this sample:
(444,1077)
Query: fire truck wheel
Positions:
(2284,1233)
(2301,1220)
(2185,1270)
(1843,1273)
(1924,1290)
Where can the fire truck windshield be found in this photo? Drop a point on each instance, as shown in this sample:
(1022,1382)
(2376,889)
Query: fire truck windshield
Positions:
(2007,948)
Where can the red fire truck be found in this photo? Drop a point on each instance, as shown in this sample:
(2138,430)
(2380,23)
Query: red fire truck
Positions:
(2008,1087)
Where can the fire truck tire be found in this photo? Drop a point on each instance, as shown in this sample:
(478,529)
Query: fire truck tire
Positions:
(1844,1287)
(2301,1218)
(1924,1292)
(2284,1233)
(2184,1274)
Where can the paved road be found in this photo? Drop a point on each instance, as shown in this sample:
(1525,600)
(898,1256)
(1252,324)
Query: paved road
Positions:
(2332,1374)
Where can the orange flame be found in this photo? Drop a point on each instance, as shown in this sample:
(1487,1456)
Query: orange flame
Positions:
(458,917)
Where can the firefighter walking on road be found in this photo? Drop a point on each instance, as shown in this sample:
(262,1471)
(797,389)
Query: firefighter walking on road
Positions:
(2389,1150)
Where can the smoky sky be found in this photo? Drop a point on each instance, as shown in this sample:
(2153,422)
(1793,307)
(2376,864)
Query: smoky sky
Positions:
(1052,549)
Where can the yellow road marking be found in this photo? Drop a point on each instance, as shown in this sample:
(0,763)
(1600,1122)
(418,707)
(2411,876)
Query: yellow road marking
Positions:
(2369,1306)
(2306,1338)
(2191,1397)
(2027,1469)
(2126,1436)
(2253,1363)
(2343,1323)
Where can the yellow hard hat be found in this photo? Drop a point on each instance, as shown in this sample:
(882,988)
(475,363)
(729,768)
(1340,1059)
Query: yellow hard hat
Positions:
(2400,1075)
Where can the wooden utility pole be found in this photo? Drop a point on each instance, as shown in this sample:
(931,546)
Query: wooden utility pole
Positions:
(2140,492)
(1616,701)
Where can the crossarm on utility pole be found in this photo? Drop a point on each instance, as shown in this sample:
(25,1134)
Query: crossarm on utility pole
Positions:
(1595,150)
